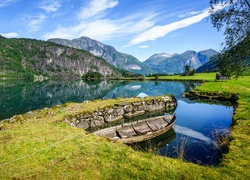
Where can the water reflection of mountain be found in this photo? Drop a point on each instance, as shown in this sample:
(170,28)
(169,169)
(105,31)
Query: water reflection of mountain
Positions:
(18,97)
(152,88)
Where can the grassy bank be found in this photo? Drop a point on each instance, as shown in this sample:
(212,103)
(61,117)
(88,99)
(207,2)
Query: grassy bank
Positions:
(41,146)
(195,77)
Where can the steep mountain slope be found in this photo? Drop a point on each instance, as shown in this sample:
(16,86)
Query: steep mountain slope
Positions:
(204,56)
(176,63)
(27,57)
(109,53)
(209,66)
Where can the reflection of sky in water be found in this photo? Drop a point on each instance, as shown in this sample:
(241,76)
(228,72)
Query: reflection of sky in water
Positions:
(142,95)
(196,127)
(191,133)
(203,116)
(151,88)
(133,88)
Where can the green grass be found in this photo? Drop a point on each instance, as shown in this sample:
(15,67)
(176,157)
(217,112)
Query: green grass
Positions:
(42,146)
(197,76)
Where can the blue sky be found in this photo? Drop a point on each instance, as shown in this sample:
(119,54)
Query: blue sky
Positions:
(137,27)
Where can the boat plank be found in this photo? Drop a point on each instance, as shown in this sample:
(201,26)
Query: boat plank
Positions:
(127,132)
(142,128)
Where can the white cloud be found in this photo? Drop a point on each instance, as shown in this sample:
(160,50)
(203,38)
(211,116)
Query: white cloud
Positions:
(10,35)
(99,27)
(160,31)
(96,7)
(137,23)
(90,29)
(93,21)
(50,6)
(60,32)
(189,14)
(5,3)
(143,47)
(35,22)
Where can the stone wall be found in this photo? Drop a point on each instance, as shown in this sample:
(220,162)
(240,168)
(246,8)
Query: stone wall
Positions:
(119,111)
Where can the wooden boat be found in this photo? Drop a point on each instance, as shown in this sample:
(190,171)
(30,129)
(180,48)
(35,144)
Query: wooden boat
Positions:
(139,130)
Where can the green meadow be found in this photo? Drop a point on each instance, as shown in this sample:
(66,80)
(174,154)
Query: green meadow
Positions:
(40,145)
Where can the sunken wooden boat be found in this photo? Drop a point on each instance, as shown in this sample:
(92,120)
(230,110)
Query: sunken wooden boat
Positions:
(138,131)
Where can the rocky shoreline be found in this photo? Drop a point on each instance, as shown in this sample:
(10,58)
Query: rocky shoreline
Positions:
(220,96)
(118,112)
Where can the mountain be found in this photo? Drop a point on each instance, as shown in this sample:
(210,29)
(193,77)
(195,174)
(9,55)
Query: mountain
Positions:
(28,57)
(107,52)
(233,61)
(165,63)
(209,66)
(157,58)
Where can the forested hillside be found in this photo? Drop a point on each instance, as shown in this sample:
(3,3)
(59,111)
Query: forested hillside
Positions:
(24,58)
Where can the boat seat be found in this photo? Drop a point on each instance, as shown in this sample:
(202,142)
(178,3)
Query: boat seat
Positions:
(152,126)
(127,132)
(142,128)
(156,125)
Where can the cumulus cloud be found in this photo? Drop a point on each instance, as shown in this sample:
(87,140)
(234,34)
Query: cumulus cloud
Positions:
(10,34)
(161,31)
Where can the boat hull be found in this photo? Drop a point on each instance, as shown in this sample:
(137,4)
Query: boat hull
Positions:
(140,130)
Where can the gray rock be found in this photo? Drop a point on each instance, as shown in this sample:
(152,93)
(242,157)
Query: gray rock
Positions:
(118,111)
(128,108)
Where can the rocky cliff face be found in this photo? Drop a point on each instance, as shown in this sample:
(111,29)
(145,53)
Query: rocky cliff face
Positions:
(177,62)
(49,59)
(109,53)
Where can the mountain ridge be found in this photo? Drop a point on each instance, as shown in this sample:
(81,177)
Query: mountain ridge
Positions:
(107,52)
(176,63)
(36,57)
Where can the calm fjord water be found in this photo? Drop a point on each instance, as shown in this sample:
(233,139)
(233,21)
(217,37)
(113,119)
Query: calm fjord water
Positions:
(197,124)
